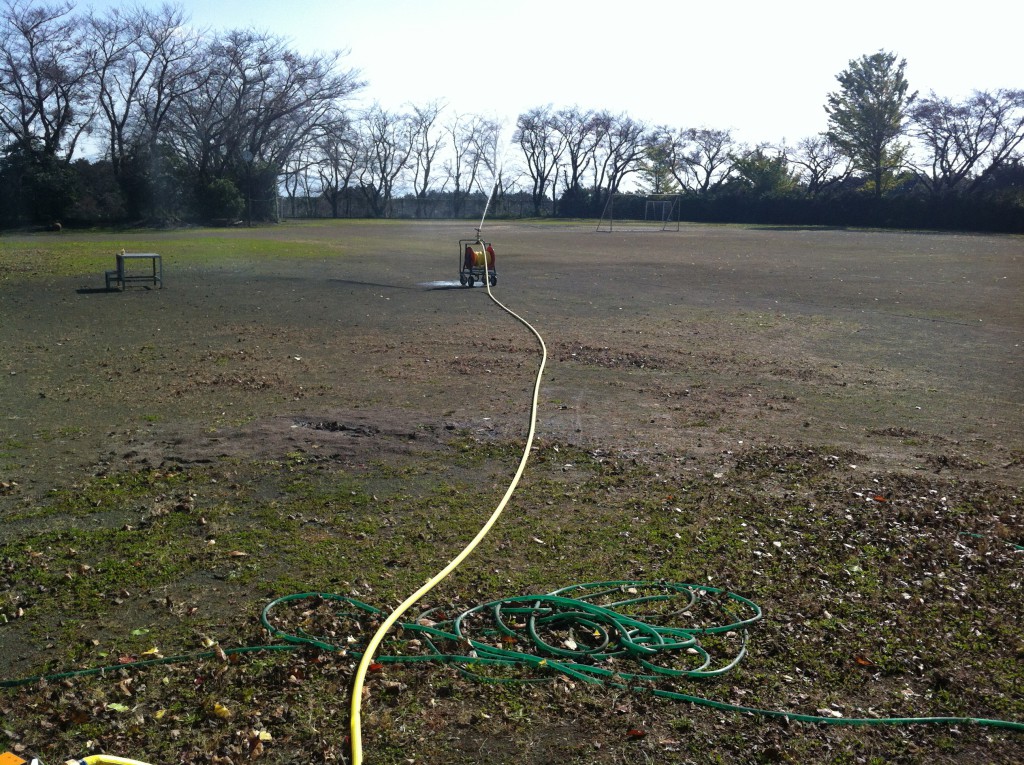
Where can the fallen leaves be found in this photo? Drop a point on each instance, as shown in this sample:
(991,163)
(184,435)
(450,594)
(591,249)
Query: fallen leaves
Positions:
(835,565)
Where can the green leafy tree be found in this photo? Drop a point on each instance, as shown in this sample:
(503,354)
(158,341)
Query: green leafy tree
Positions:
(35,186)
(221,200)
(866,115)
(764,173)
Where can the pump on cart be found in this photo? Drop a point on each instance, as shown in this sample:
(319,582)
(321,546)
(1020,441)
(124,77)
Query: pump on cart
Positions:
(476,258)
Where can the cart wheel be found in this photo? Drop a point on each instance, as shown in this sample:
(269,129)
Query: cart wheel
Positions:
(494,280)
(462,279)
(469,280)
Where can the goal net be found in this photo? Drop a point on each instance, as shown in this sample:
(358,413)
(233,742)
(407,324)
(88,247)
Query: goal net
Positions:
(657,209)
(640,212)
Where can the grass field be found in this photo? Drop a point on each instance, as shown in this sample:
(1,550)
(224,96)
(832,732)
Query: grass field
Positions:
(826,422)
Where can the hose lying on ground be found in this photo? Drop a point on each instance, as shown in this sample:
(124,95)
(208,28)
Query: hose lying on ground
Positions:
(634,635)
(371,648)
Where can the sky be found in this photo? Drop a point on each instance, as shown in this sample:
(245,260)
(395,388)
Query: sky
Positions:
(760,69)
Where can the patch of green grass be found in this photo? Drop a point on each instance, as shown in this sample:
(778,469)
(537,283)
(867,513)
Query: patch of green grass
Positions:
(86,253)
(104,494)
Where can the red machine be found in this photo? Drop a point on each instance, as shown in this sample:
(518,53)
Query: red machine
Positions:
(476,258)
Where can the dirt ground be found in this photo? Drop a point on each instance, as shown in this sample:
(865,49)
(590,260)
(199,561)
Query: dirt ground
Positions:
(678,342)
(685,352)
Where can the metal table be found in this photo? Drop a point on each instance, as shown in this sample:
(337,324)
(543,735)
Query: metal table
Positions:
(121,276)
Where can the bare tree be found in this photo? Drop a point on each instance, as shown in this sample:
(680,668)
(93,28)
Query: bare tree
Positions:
(819,163)
(387,143)
(487,150)
(143,59)
(425,143)
(119,75)
(291,179)
(253,105)
(703,157)
(281,97)
(174,72)
(509,183)
(469,138)
(45,76)
(542,147)
(967,142)
(621,150)
(578,129)
(338,156)
(301,176)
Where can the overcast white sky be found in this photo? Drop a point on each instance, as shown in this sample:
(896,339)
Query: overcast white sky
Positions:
(763,69)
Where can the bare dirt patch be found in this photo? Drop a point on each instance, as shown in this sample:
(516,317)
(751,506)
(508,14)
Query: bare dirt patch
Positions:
(863,332)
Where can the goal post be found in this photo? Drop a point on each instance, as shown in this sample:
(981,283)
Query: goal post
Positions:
(628,211)
(657,209)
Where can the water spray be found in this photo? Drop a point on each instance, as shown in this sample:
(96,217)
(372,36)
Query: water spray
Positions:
(476,256)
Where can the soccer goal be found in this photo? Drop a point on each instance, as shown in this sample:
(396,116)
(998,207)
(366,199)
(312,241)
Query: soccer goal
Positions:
(640,212)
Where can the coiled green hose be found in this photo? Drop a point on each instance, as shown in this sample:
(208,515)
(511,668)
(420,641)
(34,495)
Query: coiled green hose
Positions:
(607,624)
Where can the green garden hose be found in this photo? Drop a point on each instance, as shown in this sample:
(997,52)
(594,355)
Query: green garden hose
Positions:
(593,633)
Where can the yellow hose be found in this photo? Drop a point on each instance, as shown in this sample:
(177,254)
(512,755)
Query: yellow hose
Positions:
(371,647)
(105,759)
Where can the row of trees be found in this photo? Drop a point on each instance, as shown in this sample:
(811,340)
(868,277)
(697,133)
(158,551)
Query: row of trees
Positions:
(887,156)
(443,166)
(205,126)
(183,124)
